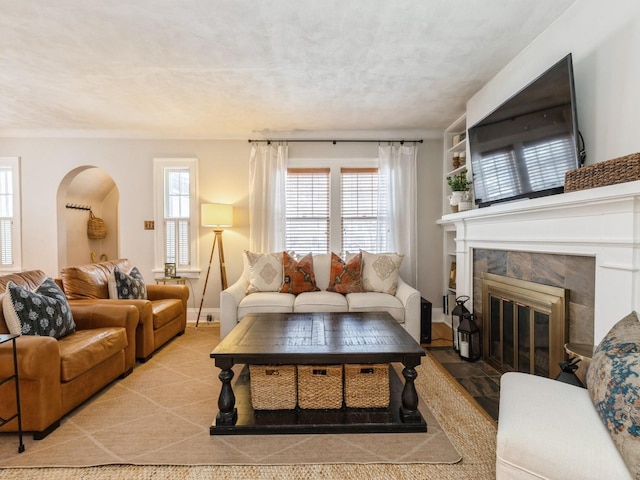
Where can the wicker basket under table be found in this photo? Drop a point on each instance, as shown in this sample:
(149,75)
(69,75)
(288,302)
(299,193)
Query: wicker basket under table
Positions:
(366,385)
(320,386)
(273,387)
(611,172)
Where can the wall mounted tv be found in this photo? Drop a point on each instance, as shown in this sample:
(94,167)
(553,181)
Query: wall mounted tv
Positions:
(524,148)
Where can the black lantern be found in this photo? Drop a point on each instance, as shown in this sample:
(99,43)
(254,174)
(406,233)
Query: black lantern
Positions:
(469,338)
(456,317)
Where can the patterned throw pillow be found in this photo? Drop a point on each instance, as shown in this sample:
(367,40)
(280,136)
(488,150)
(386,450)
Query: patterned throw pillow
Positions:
(127,285)
(43,312)
(613,381)
(298,276)
(264,271)
(346,277)
(380,272)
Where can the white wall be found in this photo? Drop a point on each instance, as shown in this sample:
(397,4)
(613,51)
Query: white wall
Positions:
(604,39)
(223,174)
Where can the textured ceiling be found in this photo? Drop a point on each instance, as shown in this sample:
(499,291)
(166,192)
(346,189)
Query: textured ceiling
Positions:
(247,68)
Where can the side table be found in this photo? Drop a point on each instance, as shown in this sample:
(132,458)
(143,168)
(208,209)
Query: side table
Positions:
(165,280)
(12,338)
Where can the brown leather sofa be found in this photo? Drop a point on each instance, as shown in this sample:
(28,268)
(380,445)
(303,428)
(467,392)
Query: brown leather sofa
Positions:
(58,375)
(162,316)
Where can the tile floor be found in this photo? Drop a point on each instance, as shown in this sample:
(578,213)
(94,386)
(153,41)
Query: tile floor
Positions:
(479,379)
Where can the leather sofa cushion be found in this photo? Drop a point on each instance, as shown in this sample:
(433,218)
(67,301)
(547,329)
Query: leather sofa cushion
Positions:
(320,302)
(90,281)
(30,279)
(165,311)
(266,302)
(84,349)
(376,302)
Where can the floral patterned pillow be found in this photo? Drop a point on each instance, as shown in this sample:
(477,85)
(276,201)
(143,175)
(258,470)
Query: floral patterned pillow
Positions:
(613,381)
(43,312)
(298,276)
(346,277)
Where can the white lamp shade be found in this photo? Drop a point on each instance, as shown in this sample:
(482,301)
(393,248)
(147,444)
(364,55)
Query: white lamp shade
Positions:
(217,215)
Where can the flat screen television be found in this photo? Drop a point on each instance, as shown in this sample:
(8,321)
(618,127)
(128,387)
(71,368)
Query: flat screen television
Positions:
(524,148)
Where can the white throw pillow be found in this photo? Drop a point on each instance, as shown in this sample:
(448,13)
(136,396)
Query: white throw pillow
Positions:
(265,271)
(380,272)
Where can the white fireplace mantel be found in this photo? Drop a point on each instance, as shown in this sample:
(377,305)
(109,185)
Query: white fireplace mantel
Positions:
(602,222)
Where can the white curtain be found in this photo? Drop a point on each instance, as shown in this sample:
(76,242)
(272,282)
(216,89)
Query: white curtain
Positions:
(267,176)
(397,169)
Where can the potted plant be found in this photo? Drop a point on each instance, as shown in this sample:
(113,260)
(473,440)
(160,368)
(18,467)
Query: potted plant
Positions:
(460,186)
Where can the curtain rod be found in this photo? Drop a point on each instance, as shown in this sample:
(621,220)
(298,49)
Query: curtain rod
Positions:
(272,140)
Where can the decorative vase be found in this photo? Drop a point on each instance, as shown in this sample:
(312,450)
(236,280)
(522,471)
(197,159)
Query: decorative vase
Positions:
(456,197)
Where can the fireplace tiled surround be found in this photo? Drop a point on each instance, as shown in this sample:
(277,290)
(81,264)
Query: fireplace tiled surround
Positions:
(572,272)
(587,241)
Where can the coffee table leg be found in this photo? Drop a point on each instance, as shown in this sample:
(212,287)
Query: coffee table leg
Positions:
(228,414)
(409,409)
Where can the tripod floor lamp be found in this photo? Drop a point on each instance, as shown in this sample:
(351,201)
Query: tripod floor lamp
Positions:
(218,216)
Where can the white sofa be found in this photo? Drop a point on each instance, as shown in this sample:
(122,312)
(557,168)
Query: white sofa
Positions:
(404,306)
(549,429)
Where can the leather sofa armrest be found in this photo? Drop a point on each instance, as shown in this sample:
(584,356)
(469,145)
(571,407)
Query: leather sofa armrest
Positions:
(99,315)
(160,292)
(410,298)
(229,301)
(36,356)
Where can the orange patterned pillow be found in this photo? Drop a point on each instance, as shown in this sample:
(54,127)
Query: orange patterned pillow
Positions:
(346,277)
(298,276)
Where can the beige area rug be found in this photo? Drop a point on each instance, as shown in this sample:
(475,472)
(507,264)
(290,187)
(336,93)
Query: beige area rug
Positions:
(160,415)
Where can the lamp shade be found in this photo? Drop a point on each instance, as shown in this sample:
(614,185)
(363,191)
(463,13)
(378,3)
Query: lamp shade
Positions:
(217,215)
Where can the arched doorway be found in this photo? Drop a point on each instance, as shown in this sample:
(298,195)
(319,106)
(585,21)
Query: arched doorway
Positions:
(82,190)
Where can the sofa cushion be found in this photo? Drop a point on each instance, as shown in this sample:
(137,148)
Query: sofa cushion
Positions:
(85,349)
(127,285)
(346,277)
(90,281)
(266,302)
(264,271)
(549,429)
(44,311)
(321,267)
(321,301)
(613,381)
(298,276)
(165,311)
(380,272)
(376,302)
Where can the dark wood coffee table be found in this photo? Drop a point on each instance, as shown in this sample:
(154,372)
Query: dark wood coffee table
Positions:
(317,339)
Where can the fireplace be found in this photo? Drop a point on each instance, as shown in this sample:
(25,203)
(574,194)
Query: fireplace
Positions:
(524,325)
(589,237)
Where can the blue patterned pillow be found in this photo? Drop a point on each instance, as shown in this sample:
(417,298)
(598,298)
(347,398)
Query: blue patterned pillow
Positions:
(613,381)
(44,312)
(127,285)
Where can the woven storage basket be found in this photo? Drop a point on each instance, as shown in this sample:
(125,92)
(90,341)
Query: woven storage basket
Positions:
(320,386)
(96,228)
(366,386)
(273,387)
(611,172)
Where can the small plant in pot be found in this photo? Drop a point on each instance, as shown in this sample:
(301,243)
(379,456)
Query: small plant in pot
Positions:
(460,186)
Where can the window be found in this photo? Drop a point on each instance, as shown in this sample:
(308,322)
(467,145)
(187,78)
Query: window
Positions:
(332,208)
(359,203)
(307,210)
(10,240)
(176,214)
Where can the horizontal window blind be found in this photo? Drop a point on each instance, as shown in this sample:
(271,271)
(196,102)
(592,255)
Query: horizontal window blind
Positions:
(499,173)
(177,220)
(359,209)
(548,161)
(6,216)
(307,210)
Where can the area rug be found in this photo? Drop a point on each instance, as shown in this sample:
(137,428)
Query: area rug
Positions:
(160,415)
